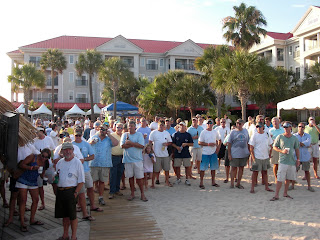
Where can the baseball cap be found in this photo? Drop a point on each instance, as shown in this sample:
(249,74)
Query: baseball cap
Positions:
(105,125)
(183,123)
(287,124)
(67,145)
(210,121)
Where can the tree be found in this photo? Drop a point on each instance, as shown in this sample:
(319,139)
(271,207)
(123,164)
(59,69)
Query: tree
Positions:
(53,59)
(206,64)
(89,62)
(26,77)
(244,29)
(112,73)
(239,73)
(191,91)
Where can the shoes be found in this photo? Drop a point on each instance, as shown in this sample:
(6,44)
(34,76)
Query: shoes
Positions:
(119,193)
(187,182)
(102,202)
(178,181)
(111,196)
(157,182)
(218,171)
(311,189)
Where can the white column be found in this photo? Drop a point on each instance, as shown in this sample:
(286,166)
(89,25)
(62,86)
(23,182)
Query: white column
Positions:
(302,60)
(172,63)
(318,40)
(136,66)
(274,56)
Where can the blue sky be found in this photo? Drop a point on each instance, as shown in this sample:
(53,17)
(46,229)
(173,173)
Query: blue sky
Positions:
(25,22)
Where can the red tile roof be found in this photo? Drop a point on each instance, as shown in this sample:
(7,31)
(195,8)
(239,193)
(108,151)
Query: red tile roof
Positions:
(84,43)
(15,51)
(280,36)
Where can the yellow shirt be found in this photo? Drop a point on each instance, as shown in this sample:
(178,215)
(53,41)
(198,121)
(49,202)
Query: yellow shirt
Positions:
(116,150)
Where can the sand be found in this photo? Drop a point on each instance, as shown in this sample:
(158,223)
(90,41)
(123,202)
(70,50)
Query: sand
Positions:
(188,212)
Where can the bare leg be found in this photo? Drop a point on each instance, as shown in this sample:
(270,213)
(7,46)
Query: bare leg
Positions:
(201,177)
(275,171)
(279,184)
(140,184)
(101,188)
(213,177)
(82,203)
(315,168)
(3,192)
(41,193)
(91,198)
(307,173)
(153,178)
(35,199)
(198,166)
(240,175)
(233,174)
(178,172)
(66,224)
(12,206)
(188,172)
(131,183)
(74,226)
(227,172)
(167,177)
(22,205)
(286,187)
(253,181)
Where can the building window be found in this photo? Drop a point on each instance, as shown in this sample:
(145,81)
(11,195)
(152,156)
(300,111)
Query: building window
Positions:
(161,63)
(35,61)
(55,97)
(39,96)
(71,59)
(71,93)
(280,54)
(152,64)
(291,69)
(298,72)
(71,77)
(296,51)
(142,62)
(290,50)
(81,98)
(128,61)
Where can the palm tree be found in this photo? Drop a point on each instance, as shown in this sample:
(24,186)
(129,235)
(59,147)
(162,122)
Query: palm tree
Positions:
(27,76)
(240,74)
(206,64)
(53,59)
(113,71)
(89,62)
(244,29)
(191,91)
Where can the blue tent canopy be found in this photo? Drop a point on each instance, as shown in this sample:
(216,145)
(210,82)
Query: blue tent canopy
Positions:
(121,106)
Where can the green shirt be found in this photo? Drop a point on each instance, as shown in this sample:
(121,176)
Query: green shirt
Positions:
(313,133)
(283,142)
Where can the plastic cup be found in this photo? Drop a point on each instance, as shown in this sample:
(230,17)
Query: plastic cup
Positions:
(288,149)
(40,170)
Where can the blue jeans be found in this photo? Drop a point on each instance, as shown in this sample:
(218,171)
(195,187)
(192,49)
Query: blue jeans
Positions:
(115,174)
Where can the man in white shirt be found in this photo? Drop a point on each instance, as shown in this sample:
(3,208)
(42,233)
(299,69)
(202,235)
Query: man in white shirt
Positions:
(223,131)
(161,139)
(71,179)
(228,121)
(138,123)
(210,141)
(54,134)
(154,125)
(260,149)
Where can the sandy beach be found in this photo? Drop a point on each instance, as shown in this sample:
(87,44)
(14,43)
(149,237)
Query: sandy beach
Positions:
(188,212)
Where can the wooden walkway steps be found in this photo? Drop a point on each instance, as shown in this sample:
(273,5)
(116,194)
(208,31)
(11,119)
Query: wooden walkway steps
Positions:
(123,219)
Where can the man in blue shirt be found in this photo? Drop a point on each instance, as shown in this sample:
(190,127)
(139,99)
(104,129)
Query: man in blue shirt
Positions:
(102,142)
(181,141)
(196,150)
(88,155)
(145,130)
(305,142)
(132,142)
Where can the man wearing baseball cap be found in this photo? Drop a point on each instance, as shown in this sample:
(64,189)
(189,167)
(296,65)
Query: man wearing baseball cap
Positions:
(71,179)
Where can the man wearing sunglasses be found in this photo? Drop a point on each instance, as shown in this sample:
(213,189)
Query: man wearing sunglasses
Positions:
(314,131)
(286,144)
(102,142)
(260,148)
(305,142)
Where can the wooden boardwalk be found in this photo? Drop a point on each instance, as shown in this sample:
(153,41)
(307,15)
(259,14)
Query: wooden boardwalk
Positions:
(121,219)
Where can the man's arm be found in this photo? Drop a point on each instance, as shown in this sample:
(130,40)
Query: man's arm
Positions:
(318,129)
(251,148)
(114,141)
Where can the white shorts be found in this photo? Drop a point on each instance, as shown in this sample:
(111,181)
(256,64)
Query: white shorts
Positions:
(314,150)
(286,172)
(21,185)
(134,169)
(88,182)
(196,154)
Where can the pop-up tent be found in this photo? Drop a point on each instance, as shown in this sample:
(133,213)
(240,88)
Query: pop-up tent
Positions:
(308,101)
(75,110)
(96,109)
(21,109)
(123,109)
(42,110)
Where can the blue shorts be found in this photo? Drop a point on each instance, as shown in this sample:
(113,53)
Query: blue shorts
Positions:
(209,159)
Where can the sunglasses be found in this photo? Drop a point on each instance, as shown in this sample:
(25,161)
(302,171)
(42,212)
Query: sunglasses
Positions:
(210,122)
(223,122)
(45,157)
(78,135)
(286,126)
(119,127)
(301,126)
(259,126)
(238,122)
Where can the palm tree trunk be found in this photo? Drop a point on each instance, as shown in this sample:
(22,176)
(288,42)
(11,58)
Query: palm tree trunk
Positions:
(52,94)
(243,97)
(220,98)
(91,96)
(262,109)
(192,111)
(26,99)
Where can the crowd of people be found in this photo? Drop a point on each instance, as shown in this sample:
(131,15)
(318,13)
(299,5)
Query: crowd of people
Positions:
(80,157)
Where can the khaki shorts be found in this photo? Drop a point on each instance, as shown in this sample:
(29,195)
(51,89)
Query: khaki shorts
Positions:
(134,169)
(314,150)
(305,166)
(100,174)
(286,172)
(161,163)
(88,182)
(261,164)
(178,161)
(4,174)
(238,162)
(275,157)
(196,154)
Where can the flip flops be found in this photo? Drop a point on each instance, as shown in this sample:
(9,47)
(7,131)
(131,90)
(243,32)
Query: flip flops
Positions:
(37,223)
(215,185)
(144,199)
(130,198)
(201,186)
(88,218)
(97,209)
(23,229)
(274,199)
(239,186)
(41,208)
(288,197)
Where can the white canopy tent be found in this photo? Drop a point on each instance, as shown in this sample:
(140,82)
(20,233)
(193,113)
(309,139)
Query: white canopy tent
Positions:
(42,110)
(21,109)
(310,101)
(75,110)
(96,109)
